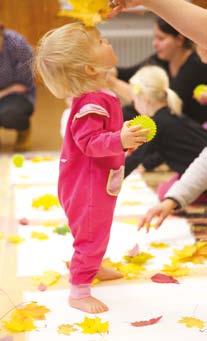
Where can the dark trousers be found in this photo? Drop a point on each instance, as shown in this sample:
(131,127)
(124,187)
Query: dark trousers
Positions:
(15,112)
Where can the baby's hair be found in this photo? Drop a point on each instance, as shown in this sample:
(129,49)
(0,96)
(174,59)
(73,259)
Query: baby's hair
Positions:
(152,82)
(62,55)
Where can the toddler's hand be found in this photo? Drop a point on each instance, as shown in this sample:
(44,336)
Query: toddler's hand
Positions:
(133,137)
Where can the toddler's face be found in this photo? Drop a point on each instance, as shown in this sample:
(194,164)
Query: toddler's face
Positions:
(104,54)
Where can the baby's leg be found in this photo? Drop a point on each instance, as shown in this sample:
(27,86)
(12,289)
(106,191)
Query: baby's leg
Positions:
(80,298)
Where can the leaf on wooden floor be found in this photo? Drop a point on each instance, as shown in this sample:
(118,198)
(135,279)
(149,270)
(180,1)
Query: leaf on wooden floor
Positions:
(146,322)
(48,278)
(39,235)
(160,245)
(93,326)
(192,322)
(15,239)
(66,329)
(162,278)
(176,270)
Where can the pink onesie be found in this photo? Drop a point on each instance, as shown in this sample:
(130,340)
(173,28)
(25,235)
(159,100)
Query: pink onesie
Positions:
(90,178)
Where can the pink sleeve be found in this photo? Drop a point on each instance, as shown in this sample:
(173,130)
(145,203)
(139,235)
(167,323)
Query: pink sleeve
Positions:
(93,140)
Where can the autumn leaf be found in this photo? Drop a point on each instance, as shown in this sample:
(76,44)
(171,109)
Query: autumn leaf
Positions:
(15,239)
(192,322)
(62,230)
(175,270)
(37,312)
(39,235)
(45,202)
(156,245)
(48,278)
(147,322)
(93,326)
(130,270)
(161,278)
(196,253)
(66,329)
(139,259)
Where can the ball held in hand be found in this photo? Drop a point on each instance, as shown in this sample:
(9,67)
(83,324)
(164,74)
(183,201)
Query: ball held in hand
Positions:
(145,122)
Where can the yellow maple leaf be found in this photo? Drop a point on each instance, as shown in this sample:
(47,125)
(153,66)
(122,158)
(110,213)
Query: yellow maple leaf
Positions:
(15,239)
(192,322)
(196,253)
(90,12)
(175,270)
(140,259)
(48,278)
(66,329)
(39,235)
(130,270)
(19,323)
(160,245)
(93,326)
(35,311)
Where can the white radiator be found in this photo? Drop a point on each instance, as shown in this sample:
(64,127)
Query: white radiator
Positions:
(131,45)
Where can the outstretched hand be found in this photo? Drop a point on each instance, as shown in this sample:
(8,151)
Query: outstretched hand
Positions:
(160,211)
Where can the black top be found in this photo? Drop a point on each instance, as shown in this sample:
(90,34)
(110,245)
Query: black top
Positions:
(192,73)
(179,140)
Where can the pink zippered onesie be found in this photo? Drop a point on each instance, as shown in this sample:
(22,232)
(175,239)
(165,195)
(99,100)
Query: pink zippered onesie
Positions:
(90,178)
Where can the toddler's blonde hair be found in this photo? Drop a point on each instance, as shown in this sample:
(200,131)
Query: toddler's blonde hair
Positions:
(152,82)
(62,55)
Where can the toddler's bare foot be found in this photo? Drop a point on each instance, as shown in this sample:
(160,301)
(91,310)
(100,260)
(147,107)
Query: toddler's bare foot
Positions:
(88,304)
(106,274)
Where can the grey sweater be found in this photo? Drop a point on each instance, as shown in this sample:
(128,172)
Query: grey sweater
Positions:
(192,183)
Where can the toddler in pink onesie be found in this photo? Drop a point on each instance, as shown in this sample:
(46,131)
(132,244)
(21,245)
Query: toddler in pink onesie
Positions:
(74,61)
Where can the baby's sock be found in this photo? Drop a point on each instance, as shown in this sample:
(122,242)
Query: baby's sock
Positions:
(80,291)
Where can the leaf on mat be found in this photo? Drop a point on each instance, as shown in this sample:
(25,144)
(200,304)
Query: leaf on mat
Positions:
(162,278)
(39,235)
(66,329)
(156,245)
(147,322)
(22,319)
(175,270)
(15,239)
(139,259)
(192,322)
(62,230)
(48,278)
(134,251)
(93,326)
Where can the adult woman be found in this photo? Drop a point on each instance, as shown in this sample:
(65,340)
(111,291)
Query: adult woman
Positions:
(176,55)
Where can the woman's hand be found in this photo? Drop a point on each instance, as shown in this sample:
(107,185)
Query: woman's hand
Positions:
(161,211)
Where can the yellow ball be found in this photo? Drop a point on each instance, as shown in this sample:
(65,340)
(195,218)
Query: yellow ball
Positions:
(18,160)
(145,122)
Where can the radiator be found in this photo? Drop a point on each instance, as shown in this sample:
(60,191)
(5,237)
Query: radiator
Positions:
(131,46)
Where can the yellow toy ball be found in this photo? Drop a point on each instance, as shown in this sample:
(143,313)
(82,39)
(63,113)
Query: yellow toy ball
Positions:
(18,160)
(200,93)
(145,122)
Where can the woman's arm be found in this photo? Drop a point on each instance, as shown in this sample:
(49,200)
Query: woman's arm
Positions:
(189,19)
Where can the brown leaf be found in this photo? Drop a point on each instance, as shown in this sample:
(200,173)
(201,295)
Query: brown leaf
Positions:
(146,323)
(161,278)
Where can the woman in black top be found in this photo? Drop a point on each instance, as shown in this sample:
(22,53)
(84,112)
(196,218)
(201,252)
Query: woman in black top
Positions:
(179,140)
(176,55)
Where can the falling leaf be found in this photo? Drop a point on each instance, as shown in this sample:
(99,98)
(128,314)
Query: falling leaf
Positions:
(62,230)
(192,322)
(156,245)
(161,278)
(66,329)
(39,235)
(48,278)
(15,239)
(90,12)
(175,270)
(147,322)
(93,326)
